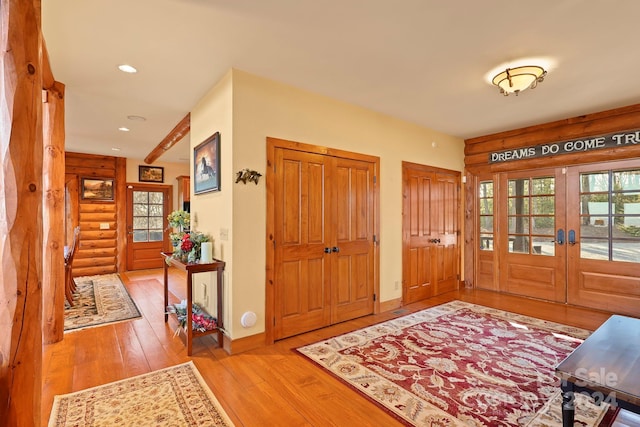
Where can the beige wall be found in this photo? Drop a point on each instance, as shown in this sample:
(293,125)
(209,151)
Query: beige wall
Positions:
(247,109)
(171,172)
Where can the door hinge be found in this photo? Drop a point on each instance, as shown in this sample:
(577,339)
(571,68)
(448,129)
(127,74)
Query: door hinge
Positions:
(375,239)
(374,297)
(375,179)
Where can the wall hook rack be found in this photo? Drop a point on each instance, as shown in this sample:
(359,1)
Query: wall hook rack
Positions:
(247,175)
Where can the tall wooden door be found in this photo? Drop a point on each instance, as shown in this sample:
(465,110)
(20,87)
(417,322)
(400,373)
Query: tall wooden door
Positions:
(430,253)
(323,241)
(147,210)
(532,234)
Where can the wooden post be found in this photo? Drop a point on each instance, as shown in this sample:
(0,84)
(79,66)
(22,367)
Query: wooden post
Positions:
(53,214)
(121,213)
(20,213)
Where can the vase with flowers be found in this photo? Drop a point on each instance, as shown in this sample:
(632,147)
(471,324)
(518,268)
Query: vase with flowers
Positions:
(190,247)
(179,222)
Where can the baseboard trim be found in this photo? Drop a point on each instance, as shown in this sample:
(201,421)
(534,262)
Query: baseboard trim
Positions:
(389,305)
(241,345)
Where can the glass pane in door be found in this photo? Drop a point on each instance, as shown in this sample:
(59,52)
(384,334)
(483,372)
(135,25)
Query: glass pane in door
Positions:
(610,215)
(148,216)
(531,215)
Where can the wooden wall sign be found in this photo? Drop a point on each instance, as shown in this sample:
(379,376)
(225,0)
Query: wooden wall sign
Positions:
(610,140)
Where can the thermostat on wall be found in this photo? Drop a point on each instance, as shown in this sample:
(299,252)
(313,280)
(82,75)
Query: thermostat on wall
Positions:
(248,319)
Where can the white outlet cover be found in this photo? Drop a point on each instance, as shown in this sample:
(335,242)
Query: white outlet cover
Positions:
(248,319)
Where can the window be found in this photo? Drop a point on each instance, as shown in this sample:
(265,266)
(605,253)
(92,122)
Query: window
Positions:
(610,215)
(485,201)
(148,216)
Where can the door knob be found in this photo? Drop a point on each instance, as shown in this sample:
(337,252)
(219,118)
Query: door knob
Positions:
(327,250)
(335,249)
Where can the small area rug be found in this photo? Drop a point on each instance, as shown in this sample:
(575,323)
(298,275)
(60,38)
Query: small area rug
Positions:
(175,396)
(460,364)
(99,300)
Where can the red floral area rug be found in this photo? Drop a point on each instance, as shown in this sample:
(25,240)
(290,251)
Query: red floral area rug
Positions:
(460,364)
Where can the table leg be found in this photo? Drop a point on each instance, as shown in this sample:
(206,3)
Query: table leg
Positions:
(166,291)
(568,406)
(189,331)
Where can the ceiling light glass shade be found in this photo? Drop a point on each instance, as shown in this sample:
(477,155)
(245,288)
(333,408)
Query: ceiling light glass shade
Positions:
(514,80)
(127,68)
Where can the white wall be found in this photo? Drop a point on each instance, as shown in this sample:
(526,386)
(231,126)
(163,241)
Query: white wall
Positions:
(247,109)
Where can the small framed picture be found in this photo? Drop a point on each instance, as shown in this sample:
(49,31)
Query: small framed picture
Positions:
(97,188)
(150,174)
(206,165)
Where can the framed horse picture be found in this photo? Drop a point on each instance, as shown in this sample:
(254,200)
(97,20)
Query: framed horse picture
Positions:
(206,165)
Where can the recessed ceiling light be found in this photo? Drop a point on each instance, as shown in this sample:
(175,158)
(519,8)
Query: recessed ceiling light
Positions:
(124,129)
(136,118)
(127,68)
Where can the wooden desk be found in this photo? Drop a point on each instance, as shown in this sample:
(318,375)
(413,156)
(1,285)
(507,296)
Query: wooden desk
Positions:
(192,268)
(606,366)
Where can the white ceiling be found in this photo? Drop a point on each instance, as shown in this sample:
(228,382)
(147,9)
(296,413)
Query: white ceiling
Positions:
(423,61)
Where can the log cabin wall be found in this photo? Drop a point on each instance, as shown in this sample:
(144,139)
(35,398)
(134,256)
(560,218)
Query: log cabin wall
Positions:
(98,249)
(478,150)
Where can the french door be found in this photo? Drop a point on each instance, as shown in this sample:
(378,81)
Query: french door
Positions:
(604,236)
(323,244)
(568,234)
(531,240)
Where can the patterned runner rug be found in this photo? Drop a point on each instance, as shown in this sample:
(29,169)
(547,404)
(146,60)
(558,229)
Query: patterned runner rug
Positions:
(175,396)
(99,300)
(460,364)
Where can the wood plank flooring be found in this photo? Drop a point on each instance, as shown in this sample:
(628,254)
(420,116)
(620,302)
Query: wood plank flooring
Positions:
(267,386)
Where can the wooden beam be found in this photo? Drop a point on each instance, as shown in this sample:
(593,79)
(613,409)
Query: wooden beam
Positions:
(21,207)
(53,215)
(176,134)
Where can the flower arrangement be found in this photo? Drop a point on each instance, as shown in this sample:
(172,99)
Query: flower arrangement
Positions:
(179,219)
(201,321)
(190,246)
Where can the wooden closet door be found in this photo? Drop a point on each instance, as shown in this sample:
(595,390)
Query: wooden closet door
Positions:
(447,246)
(352,224)
(301,235)
(419,234)
(431,250)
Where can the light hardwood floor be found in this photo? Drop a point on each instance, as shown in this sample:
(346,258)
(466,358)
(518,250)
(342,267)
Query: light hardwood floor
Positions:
(270,386)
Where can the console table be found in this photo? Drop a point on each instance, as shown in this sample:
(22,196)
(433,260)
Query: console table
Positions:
(606,366)
(191,268)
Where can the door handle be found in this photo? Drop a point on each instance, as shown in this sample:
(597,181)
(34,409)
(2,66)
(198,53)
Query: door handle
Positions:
(327,250)
(434,240)
(335,249)
(560,237)
(572,237)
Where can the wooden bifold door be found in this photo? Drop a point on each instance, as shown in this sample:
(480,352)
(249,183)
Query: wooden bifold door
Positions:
(323,240)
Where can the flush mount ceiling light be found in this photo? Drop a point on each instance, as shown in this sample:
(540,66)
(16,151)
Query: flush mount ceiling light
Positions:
(123,129)
(127,68)
(517,79)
